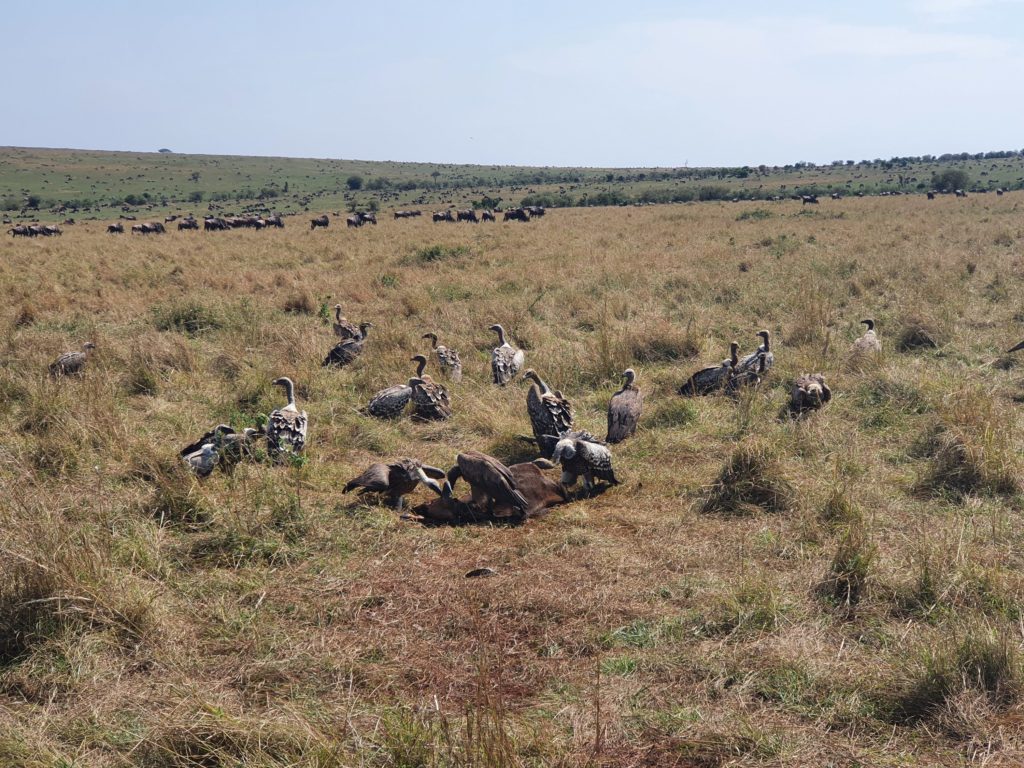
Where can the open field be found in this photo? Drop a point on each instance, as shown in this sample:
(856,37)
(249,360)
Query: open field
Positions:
(864,609)
(92,184)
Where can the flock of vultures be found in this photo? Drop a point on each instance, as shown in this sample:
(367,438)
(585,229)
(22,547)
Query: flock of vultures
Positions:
(496,491)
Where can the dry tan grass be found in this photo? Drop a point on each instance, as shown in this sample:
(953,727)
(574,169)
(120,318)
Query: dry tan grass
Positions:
(262,618)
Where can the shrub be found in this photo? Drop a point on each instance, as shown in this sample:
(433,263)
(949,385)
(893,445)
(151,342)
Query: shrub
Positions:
(757,214)
(300,304)
(431,253)
(919,333)
(354,182)
(951,179)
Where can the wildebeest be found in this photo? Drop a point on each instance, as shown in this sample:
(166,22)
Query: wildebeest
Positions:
(21,230)
(517,214)
(188,224)
(467,215)
(931,195)
(354,221)
(805,199)
(148,228)
(319,221)
(169,219)
(486,215)
(999,191)
(407,214)
(115,229)
(960,193)
(212,223)
(836,196)
(274,221)
(535,210)
(443,216)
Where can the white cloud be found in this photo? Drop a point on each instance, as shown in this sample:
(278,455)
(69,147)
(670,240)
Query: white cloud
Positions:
(954,10)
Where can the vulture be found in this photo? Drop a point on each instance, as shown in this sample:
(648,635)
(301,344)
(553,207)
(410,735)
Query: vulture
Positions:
(550,413)
(751,362)
(71,363)
(343,329)
(345,352)
(286,427)
(220,447)
(506,360)
(491,483)
(868,344)
(430,400)
(397,479)
(624,409)
(712,378)
(390,403)
(750,378)
(448,359)
(809,393)
(580,456)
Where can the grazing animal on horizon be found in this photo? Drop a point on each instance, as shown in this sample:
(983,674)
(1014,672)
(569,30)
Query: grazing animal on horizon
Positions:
(397,479)
(550,413)
(506,360)
(115,229)
(319,221)
(286,426)
(624,409)
(71,363)
(809,393)
(714,377)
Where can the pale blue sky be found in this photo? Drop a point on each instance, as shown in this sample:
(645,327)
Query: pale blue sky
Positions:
(536,83)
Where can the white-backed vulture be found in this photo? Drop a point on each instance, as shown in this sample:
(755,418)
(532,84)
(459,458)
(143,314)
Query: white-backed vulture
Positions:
(430,400)
(390,403)
(345,352)
(396,480)
(506,360)
(550,413)
(220,447)
(809,393)
(714,377)
(868,344)
(447,358)
(751,362)
(584,458)
(749,378)
(71,363)
(624,409)
(286,426)
(491,483)
(344,329)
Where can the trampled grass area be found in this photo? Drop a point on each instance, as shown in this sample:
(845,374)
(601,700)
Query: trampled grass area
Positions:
(844,589)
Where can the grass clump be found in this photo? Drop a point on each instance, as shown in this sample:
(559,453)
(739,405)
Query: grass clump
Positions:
(751,481)
(434,253)
(964,464)
(917,333)
(190,318)
(846,582)
(757,214)
(300,304)
(663,342)
(983,662)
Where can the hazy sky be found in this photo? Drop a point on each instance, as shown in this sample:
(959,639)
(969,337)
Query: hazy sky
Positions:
(536,83)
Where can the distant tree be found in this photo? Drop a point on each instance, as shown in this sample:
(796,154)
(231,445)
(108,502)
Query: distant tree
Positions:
(164,151)
(373,205)
(354,182)
(195,197)
(33,201)
(286,187)
(195,176)
(10,204)
(950,180)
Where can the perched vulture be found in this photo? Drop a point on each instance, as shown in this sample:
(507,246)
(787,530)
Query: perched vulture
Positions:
(430,399)
(447,358)
(390,403)
(584,458)
(624,409)
(714,377)
(506,360)
(809,393)
(751,362)
(396,480)
(286,426)
(344,329)
(751,378)
(345,352)
(71,363)
(868,344)
(550,413)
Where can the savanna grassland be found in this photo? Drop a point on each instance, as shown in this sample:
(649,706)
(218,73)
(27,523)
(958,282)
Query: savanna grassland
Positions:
(842,590)
(51,184)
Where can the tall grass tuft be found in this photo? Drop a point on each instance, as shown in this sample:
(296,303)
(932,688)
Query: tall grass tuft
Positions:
(751,481)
